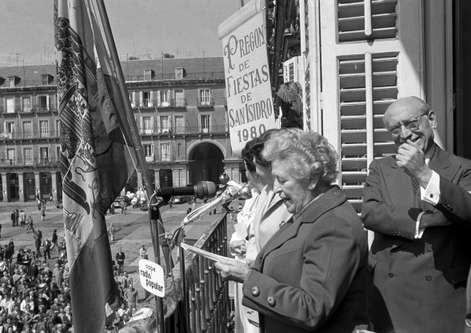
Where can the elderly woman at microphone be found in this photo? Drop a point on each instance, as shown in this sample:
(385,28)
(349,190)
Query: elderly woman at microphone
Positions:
(312,274)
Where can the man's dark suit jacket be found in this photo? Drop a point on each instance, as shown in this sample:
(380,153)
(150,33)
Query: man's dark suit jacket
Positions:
(419,284)
(312,274)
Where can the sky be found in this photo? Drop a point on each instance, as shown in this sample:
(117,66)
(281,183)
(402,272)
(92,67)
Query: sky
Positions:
(141,28)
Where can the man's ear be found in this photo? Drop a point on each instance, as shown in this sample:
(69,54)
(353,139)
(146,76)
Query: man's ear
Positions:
(432,119)
(434,125)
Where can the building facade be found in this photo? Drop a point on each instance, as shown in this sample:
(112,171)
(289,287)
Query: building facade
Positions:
(180,110)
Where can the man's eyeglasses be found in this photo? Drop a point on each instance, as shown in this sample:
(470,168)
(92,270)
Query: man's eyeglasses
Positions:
(412,125)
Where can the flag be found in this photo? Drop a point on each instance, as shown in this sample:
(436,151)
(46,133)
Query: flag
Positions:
(97,157)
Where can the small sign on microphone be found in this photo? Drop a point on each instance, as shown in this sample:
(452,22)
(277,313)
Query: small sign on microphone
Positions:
(152,278)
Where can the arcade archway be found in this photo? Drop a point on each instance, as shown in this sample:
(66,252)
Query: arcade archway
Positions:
(205,163)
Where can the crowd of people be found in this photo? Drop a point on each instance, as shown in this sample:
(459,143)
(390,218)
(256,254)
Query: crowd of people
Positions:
(116,319)
(304,261)
(19,218)
(35,292)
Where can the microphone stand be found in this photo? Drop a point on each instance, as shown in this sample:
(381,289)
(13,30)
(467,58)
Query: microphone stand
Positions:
(156,227)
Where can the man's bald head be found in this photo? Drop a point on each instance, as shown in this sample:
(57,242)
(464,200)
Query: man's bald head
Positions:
(410,104)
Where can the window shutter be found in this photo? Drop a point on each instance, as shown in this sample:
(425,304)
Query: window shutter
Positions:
(133,99)
(10,104)
(158,97)
(366,65)
(52,102)
(141,99)
(130,99)
(17,104)
(362,20)
(368,84)
(151,99)
(180,98)
(171,94)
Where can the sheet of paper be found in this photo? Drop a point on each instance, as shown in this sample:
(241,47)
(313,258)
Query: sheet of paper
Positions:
(211,256)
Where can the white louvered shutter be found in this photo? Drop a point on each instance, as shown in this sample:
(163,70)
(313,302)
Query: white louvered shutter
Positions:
(172,97)
(141,99)
(371,54)
(133,99)
(151,99)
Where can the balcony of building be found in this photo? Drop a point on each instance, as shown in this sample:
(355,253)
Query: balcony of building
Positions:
(171,77)
(28,102)
(33,163)
(172,103)
(35,135)
(44,109)
(186,130)
(46,162)
(206,103)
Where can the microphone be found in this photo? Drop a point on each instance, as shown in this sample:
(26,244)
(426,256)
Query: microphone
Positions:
(235,190)
(201,190)
(232,191)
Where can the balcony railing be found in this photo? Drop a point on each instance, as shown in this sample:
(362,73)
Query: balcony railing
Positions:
(5,162)
(206,103)
(169,104)
(187,130)
(165,131)
(28,135)
(146,131)
(44,109)
(8,162)
(44,162)
(172,103)
(205,299)
(171,76)
(29,110)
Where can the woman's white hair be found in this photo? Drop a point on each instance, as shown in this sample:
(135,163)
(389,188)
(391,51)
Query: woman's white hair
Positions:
(310,155)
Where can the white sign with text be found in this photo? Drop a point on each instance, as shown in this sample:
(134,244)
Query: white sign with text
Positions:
(152,278)
(248,90)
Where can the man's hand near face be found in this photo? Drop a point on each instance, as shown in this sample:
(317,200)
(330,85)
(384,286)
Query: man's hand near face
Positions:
(412,159)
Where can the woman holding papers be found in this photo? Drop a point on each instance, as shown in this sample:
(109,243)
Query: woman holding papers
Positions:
(312,274)
(242,243)
(262,215)
(258,220)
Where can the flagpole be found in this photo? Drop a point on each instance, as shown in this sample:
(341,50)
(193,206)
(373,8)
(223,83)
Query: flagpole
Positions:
(155,227)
